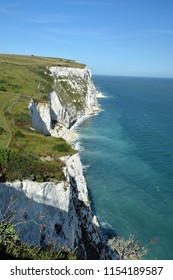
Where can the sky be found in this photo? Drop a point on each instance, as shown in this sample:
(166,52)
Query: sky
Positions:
(113,37)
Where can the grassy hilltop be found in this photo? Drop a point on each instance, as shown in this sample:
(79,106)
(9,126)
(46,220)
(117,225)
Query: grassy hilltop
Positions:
(23,78)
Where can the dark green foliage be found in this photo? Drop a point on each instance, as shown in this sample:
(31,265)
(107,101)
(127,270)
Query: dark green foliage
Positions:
(11,247)
(3,84)
(15,166)
(7,233)
(2,88)
(63,147)
(23,120)
(1,130)
(27,252)
(18,133)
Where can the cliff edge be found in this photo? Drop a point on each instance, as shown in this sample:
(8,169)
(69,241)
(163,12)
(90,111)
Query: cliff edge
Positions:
(73,97)
(55,211)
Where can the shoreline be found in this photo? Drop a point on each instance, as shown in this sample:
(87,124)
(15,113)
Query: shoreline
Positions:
(99,94)
(65,202)
(74,128)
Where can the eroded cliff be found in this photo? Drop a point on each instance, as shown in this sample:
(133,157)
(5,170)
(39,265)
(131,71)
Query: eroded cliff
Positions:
(74,96)
(58,212)
(62,209)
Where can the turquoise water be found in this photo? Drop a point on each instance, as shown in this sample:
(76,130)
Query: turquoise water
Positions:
(127,151)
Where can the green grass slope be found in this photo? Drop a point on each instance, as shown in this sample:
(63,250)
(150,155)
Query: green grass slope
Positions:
(23,78)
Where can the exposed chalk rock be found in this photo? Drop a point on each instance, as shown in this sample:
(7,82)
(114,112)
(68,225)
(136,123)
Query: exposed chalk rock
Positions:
(74,97)
(41,118)
(63,206)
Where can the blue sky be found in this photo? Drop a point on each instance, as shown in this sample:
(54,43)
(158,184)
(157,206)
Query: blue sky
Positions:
(113,37)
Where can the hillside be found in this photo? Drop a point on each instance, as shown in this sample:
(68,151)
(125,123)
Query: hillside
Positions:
(41,176)
(23,78)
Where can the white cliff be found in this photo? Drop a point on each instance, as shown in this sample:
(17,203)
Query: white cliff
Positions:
(74,96)
(64,208)
(57,111)
(41,118)
(80,80)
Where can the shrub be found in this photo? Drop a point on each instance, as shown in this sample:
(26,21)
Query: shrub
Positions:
(3,88)
(12,248)
(7,233)
(62,147)
(23,119)
(127,249)
(18,133)
(1,130)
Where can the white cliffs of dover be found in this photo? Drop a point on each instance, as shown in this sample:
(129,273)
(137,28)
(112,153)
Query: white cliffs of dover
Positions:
(64,207)
(55,117)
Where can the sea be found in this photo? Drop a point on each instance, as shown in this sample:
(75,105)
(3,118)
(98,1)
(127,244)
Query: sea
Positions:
(127,154)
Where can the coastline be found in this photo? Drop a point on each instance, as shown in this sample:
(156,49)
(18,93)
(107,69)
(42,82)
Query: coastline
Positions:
(75,139)
(65,203)
(73,129)
(100,95)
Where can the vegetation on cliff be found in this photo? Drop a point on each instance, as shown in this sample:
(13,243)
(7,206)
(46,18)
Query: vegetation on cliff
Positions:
(28,154)
(16,166)
(23,78)
(11,248)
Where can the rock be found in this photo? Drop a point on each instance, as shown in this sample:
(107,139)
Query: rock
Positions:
(40,114)
(63,111)
(63,209)
(59,213)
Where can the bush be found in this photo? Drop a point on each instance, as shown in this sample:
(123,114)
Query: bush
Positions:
(1,130)
(23,120)
(7,233)
(3,88)
(127,249)
(12,248)
(18,133)
(63,147)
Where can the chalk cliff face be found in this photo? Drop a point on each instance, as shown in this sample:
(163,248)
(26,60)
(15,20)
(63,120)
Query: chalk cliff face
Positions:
(74,96)
(79,83)
(63,209)
(41,119)
(59,213)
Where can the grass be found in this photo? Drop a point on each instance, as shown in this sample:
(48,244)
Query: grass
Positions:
(41,144)
(39,60)
(16,166)
(23,78)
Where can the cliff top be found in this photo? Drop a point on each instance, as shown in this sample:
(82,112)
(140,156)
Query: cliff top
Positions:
(23,78)
(39,60)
